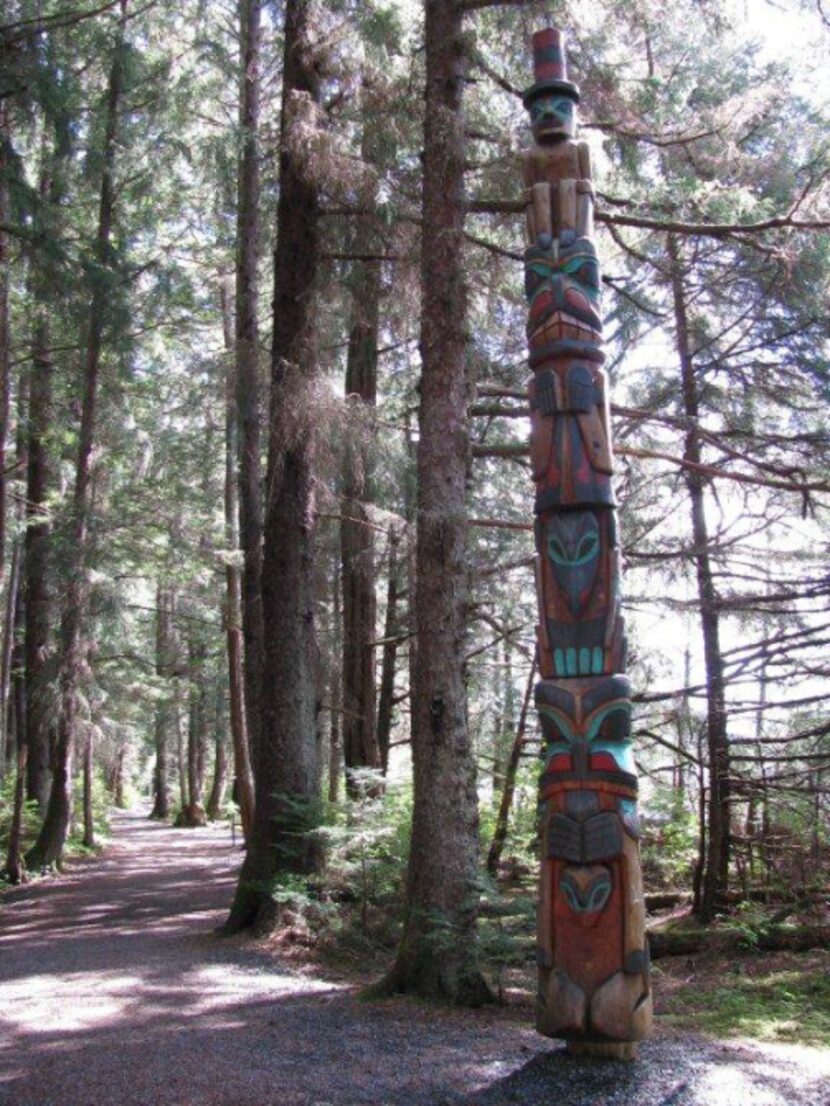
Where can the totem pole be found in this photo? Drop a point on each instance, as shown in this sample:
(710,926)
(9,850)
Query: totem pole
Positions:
(592,950)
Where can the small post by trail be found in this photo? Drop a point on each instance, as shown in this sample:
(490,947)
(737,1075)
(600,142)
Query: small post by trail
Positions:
(592,952)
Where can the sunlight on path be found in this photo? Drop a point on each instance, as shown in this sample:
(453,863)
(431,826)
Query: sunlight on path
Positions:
(114,991)
(51,1002)
(115,950)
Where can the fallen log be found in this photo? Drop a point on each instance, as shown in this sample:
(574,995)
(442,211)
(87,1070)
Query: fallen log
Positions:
(664,900)
(774,938)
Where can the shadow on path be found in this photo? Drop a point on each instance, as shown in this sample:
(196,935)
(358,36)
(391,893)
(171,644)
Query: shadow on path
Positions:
(115,992)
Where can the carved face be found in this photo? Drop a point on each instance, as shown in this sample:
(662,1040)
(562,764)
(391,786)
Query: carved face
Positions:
(573,548)
(553,118)
(579,262)
(601,742)
(563,283)
(586,889)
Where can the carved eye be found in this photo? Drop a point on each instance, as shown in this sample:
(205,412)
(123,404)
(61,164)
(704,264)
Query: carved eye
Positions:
(589,274)
(557,551)
(616,726)
(587,548)
(598,897)
(571,897)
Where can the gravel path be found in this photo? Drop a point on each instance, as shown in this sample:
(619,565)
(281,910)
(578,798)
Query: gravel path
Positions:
(114,992)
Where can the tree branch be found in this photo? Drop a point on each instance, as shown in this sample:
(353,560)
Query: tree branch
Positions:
(487,206)
(468,6)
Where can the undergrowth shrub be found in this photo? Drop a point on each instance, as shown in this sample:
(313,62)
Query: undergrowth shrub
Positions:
(101,805)
(668,846)
(506,930)
(367,847)
(750,921)
(30,819)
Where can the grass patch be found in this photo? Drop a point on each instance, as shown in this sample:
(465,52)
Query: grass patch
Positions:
(789,1003)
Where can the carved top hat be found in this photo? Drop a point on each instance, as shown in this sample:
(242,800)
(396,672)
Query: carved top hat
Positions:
(550,67)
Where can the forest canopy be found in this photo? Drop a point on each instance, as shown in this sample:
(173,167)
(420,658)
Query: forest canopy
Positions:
(223,236)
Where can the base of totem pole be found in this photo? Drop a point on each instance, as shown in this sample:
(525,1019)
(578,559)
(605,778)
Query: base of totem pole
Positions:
(607,1050)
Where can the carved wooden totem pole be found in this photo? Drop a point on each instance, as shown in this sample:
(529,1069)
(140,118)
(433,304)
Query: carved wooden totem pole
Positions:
(592,951)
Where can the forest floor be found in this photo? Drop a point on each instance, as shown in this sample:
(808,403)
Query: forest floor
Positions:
(115,991)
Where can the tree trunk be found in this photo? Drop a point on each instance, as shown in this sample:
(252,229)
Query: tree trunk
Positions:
(46,291)
(389,655)
(13,583)
(14,860)
(248,384)
(683,728)
(181,761)
(17,706)
(716,874)
(773,938)
(219,786)
(700,861)
(194,813)
(336,698)
(49,846)
(89,821)
(161,784)
(5,336)
(6,661)
(117,779)
(234,631)
(286,761)
(40,727)
(357,542)
(754,823)
(502,744)
(437,955)
(512,767)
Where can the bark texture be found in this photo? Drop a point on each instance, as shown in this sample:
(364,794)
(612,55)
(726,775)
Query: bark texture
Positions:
(335,697)
(286,760)
(37,571)
(386,697)
(89,819)
(40,712)
(9,739)
(116,779)
(15,867)
(357,542)
(218,787)
(234,629)
(248,383)
(5,336)
(437,955)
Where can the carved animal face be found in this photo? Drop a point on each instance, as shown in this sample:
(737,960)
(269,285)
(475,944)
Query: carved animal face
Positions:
(581,265)
(573,548)
(610,740)
(604,738)
(563,280)
(586,889)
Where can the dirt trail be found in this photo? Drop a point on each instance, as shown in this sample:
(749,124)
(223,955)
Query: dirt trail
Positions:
(115,992)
